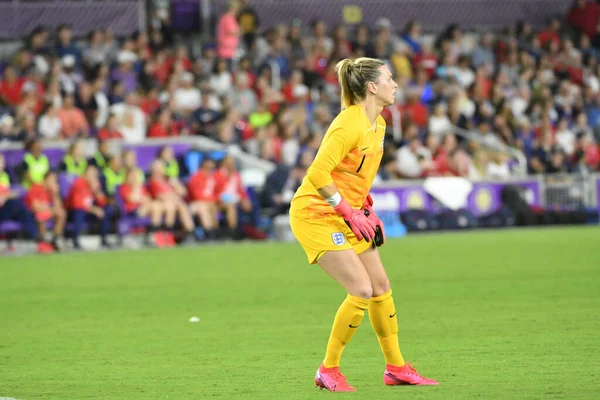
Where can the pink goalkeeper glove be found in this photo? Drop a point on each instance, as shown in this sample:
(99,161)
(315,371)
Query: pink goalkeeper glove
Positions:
(361,226)
(379,237)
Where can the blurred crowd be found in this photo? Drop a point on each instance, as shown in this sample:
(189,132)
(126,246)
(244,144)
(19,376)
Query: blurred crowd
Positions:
(274,92)
(533,90)
(94,193)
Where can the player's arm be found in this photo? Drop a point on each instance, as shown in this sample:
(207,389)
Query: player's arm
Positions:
(37,206)
(332,151)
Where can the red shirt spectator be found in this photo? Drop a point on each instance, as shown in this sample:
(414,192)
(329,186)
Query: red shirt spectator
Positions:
(164,126)
(4,189)
(156,187)
(417,113)
(183,59)
(150,105)
(111,130)
(126,194)
(584,16)
(229,184)
(428,61)
(38,197)
(162,72)
(550,34)
(202,186)
(228,34)
(10,87)
(107,134)
(81,196)
(159,130)
(37,194)
(592,155)
(440,164)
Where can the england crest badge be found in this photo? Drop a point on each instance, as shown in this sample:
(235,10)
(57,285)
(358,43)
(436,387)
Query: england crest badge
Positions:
(338,238)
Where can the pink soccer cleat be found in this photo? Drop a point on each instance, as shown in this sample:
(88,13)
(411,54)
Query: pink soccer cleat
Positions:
(405,375)
(332,379)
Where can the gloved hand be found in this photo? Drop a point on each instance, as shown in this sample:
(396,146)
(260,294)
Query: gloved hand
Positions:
(361,226)
(379,238)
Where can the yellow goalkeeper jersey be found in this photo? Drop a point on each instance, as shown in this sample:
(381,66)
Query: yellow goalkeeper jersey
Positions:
(349,156)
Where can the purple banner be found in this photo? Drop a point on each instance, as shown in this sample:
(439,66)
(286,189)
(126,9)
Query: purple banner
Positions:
(485,197)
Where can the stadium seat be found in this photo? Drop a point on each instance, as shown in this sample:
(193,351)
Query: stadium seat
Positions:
(192,160)
(65,181)
(10,226)
(217,155)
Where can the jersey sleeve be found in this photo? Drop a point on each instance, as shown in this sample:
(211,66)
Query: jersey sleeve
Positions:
(333,150)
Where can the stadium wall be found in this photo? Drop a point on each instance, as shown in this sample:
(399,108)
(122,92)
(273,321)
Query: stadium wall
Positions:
(434,14)
(123,17)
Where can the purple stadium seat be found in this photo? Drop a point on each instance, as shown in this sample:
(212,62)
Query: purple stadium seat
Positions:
(54,156)
(20,189)
(10,227)
(64,182)
(13,157)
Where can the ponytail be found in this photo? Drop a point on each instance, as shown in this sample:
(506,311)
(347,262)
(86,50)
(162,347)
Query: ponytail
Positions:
(354,76)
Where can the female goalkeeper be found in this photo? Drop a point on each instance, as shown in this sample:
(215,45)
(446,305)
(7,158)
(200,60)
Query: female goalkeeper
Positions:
(332,218)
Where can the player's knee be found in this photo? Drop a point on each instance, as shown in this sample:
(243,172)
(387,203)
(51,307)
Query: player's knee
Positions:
(363,291)
(381,287)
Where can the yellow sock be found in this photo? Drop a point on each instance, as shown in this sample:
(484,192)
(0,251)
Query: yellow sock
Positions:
(347,319)
(382,314)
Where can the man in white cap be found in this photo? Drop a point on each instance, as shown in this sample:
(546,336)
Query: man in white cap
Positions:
(69,78)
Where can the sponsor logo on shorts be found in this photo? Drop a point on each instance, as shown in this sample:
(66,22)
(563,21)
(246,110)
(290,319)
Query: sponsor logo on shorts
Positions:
(338,238)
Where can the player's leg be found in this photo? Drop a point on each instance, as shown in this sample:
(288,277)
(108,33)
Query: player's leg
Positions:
(144,209)
(185,217)
(202,210)
(207,217)
(157,210)
(104,226)
(78,217)
(345,267)
(42,230)
(60,219)
(170,213)
(213,216)
(231,215)
(246,205)
(148,209)
(382,313)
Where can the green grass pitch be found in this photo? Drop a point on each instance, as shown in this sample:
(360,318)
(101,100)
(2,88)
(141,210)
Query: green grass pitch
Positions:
(492,315)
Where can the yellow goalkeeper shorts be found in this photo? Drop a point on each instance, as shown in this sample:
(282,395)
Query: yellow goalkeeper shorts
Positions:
(325,233)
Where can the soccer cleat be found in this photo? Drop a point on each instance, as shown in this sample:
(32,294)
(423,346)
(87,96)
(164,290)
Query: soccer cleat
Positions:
(45,248)
(405,375)
(332,379)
